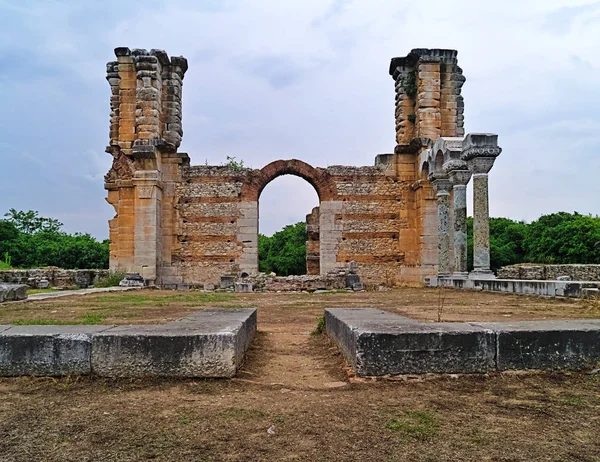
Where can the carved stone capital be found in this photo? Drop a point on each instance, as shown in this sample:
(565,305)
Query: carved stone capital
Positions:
(459,177)
(441,183)
(480,145)
(481,165)
(455,164)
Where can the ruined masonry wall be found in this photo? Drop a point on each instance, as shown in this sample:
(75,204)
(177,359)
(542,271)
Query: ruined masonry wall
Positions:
(550,272)
(361,220)
(180,225)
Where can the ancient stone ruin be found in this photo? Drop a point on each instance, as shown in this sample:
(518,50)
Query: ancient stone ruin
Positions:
(401,220)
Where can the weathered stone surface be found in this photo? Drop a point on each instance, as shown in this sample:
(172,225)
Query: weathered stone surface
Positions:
(380,343)
(185,226)
(227,282)
(546,344)
(209,343)
(12,292)
(575,272)
(132,280)
(46,350)
(550,288)
(56,277)
(243,287)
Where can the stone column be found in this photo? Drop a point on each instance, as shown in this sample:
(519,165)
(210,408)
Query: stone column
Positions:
(480,151)
(147,227)
(442,188)
(459,177)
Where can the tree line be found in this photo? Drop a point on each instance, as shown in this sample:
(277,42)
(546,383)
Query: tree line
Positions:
(28,240)
(558,238)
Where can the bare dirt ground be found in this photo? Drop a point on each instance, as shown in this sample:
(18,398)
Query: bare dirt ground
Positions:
(293,399)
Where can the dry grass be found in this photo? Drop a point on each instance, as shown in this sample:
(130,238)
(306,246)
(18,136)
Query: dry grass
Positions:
(296,384)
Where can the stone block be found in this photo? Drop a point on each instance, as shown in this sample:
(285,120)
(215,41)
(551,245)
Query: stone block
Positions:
(46,350)
(13,292)
(227,282)
(378,343)
(243,287)
(210,343)
(571,344)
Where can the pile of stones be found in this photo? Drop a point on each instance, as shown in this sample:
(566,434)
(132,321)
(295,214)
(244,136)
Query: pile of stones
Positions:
(338,279)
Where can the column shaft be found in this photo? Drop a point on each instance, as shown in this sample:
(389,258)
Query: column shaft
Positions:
(481,227)
(443,198)
(460,228)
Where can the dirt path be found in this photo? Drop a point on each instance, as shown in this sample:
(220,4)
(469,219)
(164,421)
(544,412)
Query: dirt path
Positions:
(285,355)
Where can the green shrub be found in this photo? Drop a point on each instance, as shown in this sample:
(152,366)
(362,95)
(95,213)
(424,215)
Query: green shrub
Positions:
(320,326)
(112,279)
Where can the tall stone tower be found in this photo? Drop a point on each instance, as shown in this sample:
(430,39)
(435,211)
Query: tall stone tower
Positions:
(145,132)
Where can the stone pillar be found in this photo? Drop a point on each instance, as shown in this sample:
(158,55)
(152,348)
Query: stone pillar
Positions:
(313,250)
(147,229)
(330,235)
(480,151)
(145,125)
(442,188)
(459,177)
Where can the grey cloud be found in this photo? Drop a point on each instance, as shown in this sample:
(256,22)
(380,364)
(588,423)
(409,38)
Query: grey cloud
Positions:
(563,19)
(305,79)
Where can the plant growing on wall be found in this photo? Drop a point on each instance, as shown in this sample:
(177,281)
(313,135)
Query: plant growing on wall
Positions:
(234,164)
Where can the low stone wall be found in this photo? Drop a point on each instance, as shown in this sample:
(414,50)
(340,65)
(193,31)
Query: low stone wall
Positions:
(209,343)
(550,272)
(377,342)
(551,288)
(56,277)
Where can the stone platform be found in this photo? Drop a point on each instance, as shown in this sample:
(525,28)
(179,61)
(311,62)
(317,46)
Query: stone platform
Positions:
(209,343)
(377,342)
(549,288)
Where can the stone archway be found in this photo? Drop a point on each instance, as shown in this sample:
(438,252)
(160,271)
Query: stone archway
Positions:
(324,185)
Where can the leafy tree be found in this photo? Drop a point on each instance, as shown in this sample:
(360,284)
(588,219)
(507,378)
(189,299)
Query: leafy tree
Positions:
(506,242)
(563,238)
(34,241)
(285,252)
(30,222)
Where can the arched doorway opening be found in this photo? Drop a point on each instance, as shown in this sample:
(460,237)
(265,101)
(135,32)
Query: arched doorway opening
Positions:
(288,239)
(328,233)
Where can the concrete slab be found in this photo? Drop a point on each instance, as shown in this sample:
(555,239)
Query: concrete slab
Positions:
(209,343)
(376,342)
(46,350)
(573,344)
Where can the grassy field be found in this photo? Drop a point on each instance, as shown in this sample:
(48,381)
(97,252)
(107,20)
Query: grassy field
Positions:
(294,398)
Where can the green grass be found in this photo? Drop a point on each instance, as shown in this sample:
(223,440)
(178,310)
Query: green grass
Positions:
(87,318)
(39,291)
(421,425)
(4,265)
(162,300)
(41,322)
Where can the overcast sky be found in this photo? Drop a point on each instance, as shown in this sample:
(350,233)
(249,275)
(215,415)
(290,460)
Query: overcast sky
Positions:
(305,79)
